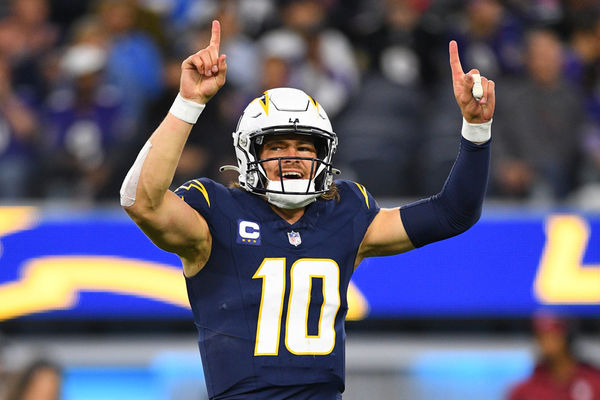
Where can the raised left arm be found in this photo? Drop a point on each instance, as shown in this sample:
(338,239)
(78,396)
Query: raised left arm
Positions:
(458,205)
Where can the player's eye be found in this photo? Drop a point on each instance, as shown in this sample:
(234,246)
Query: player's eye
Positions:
(306,149)
(274,147)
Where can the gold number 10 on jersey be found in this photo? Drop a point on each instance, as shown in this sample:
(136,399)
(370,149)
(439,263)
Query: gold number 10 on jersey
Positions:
(297,339)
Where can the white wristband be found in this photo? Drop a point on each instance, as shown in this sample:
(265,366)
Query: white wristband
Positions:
(186,110)
(477,133)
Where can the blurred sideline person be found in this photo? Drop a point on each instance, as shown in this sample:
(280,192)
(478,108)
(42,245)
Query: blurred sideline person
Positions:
(19,134)
(538,154)
(84,127)
(40,380)
(559,374)
(268,263)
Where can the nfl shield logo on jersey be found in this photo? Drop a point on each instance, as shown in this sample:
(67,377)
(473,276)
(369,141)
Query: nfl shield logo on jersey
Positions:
(294,238)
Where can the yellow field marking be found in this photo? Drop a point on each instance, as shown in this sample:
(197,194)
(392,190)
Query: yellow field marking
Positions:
(358,307)
(15,219)
(53,283)
(561,276)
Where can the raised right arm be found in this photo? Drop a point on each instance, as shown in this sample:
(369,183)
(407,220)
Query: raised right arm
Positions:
(168,221)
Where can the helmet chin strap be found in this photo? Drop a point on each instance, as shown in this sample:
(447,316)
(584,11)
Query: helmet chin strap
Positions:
(291,201)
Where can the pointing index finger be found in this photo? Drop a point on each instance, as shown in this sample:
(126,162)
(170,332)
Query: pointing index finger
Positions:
(215,37)
(457,71)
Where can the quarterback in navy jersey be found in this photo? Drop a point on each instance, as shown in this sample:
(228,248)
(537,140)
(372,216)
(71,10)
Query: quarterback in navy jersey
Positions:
(267,263)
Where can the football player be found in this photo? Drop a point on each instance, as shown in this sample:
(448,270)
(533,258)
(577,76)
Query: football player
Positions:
(267,263)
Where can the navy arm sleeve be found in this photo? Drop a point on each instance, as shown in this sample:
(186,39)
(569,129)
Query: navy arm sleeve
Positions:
(458,206)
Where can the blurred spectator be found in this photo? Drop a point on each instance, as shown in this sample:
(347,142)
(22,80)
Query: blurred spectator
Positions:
(559,373)
(382,129)
(25,36)
(84,128)
(275,72)
(256,14)
(41,380)
(379,135)
(404,48)
(583,69)
(134,62)
(149,20)
(18,140)
(90,30)
(538,127)
(241,51)
(182,15)
(542,13)
(26,31)
(436,149)
(321,59)
(490,37)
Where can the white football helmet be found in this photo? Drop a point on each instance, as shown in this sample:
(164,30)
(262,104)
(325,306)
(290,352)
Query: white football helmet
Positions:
(284,111)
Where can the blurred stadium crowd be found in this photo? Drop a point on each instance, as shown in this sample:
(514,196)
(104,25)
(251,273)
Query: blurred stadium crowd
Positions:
(83,84)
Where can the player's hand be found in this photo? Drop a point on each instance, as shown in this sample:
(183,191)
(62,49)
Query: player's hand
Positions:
(473,110)
(203,73)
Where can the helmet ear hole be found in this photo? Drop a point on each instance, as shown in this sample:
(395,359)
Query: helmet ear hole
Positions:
(321,147)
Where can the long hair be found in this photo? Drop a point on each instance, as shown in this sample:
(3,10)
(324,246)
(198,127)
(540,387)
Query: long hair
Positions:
(332,193)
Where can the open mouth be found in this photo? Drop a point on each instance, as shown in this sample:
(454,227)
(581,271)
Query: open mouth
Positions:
(291,175)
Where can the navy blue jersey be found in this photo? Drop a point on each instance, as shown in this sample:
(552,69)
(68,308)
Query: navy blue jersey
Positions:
(270,303)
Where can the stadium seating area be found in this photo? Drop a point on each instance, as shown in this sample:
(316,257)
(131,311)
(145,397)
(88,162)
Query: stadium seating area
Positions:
(82,86)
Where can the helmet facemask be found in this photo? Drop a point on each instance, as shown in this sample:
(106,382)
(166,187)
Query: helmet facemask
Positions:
(284,111)
(291,192)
